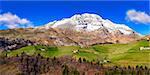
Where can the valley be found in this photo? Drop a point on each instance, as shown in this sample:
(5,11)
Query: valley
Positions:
(104,59)
(117,54)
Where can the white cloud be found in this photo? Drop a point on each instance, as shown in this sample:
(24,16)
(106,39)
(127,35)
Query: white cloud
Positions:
(10,20)
(138,17)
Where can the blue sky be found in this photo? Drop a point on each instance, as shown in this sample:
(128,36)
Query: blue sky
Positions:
(41,12)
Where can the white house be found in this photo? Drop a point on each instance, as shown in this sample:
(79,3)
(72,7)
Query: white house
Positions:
(75,51)
(144,48)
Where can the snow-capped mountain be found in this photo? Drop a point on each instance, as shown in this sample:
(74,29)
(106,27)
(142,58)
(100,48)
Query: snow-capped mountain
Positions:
(89,29)
(89,22)
(82,30)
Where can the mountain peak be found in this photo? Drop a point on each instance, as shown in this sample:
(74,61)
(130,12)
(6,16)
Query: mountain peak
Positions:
(90,22)
(86,16)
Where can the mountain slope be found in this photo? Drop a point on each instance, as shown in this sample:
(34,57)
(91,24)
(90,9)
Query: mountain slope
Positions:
(89,29)
(83,30)
(146,37)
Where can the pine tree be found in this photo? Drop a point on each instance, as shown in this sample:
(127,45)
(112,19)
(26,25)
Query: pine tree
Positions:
(80,60)
(76,72)
(84,60)
(65,71)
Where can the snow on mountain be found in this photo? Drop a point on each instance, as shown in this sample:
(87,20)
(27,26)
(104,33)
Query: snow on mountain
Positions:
(89,22)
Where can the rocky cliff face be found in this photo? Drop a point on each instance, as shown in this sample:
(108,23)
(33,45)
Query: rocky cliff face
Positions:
(84,30)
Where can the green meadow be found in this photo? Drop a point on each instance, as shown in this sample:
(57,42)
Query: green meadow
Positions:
(117,54)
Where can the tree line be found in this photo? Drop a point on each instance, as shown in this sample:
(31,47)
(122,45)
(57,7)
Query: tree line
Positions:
(67,65)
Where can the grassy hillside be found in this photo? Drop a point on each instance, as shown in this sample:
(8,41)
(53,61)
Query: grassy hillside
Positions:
(133,55)
(118,54)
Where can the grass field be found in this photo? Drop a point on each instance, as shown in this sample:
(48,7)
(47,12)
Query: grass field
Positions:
(118,54)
